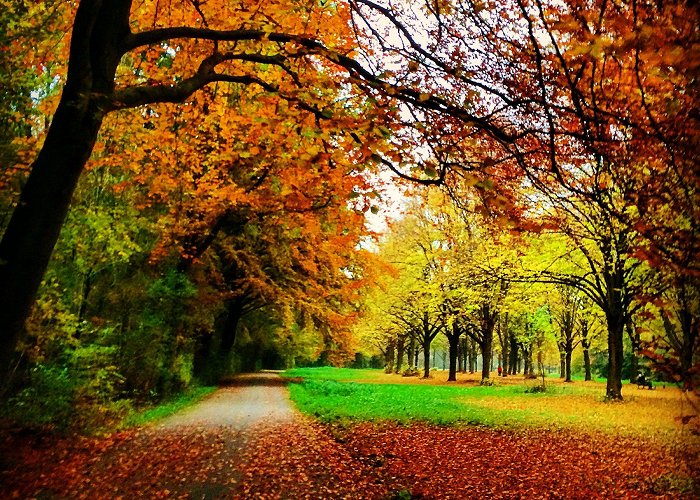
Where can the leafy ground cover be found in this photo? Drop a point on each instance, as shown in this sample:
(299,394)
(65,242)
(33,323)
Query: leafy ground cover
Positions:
(380,459)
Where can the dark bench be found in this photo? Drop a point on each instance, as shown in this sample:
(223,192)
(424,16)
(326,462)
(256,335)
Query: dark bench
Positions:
(643,383)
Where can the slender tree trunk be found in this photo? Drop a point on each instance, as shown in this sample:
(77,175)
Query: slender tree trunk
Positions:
(585,344)
(486,348)
(87,287)
(636,344)
(426,360)
(472,356)
(32,232)
(460,356)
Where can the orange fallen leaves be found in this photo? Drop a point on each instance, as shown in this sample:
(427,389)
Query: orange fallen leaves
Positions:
(305,459)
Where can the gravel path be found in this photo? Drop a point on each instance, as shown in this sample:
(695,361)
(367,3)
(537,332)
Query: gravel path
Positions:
(248,400)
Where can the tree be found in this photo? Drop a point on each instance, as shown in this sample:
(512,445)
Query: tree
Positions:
(567,315)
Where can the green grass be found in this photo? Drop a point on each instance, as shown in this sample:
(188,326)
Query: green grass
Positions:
(330,373)
(325,394)
(169,407)
(330,400)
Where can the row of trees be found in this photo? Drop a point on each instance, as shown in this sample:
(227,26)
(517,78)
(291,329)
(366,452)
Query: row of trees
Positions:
(487,287)
(217,158)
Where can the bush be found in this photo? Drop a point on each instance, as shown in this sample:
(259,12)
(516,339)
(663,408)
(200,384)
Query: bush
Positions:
(48,399)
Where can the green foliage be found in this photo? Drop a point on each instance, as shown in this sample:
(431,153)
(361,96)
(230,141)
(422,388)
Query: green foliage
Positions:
(47,400)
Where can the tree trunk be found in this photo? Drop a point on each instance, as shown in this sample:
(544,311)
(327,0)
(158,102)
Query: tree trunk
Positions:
(426,360)
(399,354)
(31,234)
(486,349)
(472,356)
(87,287)
(616,326)
(636,344)
(453,342)
(567,361)
(389,357)
(411,351)
(513,361)
(562,361)
(460,364)
(585,344)
(228,335)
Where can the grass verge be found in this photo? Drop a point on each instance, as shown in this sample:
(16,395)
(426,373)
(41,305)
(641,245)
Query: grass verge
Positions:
(167,408)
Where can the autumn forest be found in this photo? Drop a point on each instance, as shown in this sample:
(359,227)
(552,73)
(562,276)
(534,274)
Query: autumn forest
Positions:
(485,214)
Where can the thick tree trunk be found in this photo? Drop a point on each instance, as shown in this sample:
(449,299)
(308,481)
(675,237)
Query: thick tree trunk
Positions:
(98,31)
(228,334)
(411,351)
(616,326)
(562,361)
(567,361)
(399,354)
(587,365)
(389,357)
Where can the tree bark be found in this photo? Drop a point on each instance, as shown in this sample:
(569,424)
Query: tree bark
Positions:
(399,354)
(486,358)
(96,43)
(616,326)
(567,362)
(389,357)
(562,360)
(585,345)
(453,342)
(228,335)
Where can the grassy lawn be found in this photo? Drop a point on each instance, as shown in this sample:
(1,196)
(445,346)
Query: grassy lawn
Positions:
(370,395)
(167,408)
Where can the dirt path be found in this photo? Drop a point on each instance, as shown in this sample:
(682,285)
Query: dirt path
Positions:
(247,401)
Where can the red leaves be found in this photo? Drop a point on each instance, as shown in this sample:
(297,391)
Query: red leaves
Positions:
(306,459)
